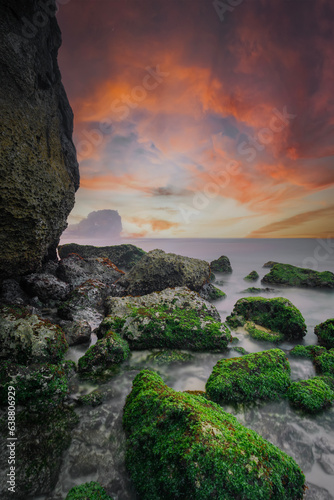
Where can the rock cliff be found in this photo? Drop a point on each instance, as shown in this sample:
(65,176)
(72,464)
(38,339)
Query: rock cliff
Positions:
(39,170)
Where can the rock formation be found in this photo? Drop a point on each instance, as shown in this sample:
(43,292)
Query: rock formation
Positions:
(39,170)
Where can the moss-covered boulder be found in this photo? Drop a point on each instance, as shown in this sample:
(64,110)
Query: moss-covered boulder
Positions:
(42,440)
(211,293)
(88,491)
(173,319)
(263,375)
(258,332)
(312,395)
(39,387)
(125,256)
(26,338)
(252,276)
(307,351)
(277,314)
(181,445)
(158,270)
(109,351)
(325,333)
(324,364)
(221,265)
(94,398)
(288,275)
(270,264)
(39,170)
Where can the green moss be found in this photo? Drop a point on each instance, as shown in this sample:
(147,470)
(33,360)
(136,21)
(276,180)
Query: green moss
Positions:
(263,375)
(286,274)
(307,351)
(277,314)
(216,294)
(88,491)
(325,333)
(94,398)
(183,446)
(252,276)
(311,395)
(172,328)
(39,387)
(221,265)
(324,364)
(168,357)
(240,350)
(260,333)
(111,350)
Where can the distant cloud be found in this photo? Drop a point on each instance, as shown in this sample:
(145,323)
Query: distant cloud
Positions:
(102,224)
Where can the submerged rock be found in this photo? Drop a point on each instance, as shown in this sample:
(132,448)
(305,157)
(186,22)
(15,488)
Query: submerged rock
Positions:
(221,265)
(262,375)
(253,289)
(109,351)
(183,446)
(39,170)
(210,293)
(174,319)
(26,338)
(252,276)
(312,395)
(158,270)
(277,314)
(88,491)
(325,333)
(125,256)
(286,274)
(170,357)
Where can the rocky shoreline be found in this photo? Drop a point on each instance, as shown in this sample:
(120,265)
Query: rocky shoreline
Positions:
(158,301)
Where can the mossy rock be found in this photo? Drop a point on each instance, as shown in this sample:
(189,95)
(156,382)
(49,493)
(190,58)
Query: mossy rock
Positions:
(240,350)
(286,274)
(277,314)
(258,332)
(39,387)
(270,264)
(252,276)
(324,364)
(307,351)
(254,289)
(221,265)
(312,395)
(325,333)
(26,338)
(183,446)
(170,357)
(109,351)
(94,398)
(262,375)
(211,293)
(88,491)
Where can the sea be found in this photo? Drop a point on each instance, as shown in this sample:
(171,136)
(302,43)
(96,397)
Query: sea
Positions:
(97,450)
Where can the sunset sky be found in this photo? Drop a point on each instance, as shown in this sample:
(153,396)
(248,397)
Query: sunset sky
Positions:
(197,120)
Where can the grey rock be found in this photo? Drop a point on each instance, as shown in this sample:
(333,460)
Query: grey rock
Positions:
(75,270)
(76,332)
(46,287)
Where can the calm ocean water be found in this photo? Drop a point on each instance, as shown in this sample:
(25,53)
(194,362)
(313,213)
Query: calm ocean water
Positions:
(98,444)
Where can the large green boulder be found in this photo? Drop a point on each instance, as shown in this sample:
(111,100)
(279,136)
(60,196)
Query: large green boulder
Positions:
(277,314)
(312,395)
(325,333)
(181,445)
(174,319)
(286,274)
(262,375)
(26,338)
(124,256)
(88,491)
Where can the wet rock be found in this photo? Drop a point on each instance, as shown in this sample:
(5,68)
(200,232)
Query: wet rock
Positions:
(253,289)
(25,337)
(288,275)
(278,315)
(221,265)
(75,270)
(206,458)
(158,270)
(46,287)
(109,351)
(314,492)
(124,256)
(210,293)
(311,396)
(252,276)
(174,318)
(76,332)
(11,293)
(327,463)
(325,333)
(39,170)
(270,264)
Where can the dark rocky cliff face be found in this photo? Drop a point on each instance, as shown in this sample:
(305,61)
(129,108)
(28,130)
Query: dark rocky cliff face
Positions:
(38,168)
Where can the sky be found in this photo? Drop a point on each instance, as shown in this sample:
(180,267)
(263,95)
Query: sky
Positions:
(205,119)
